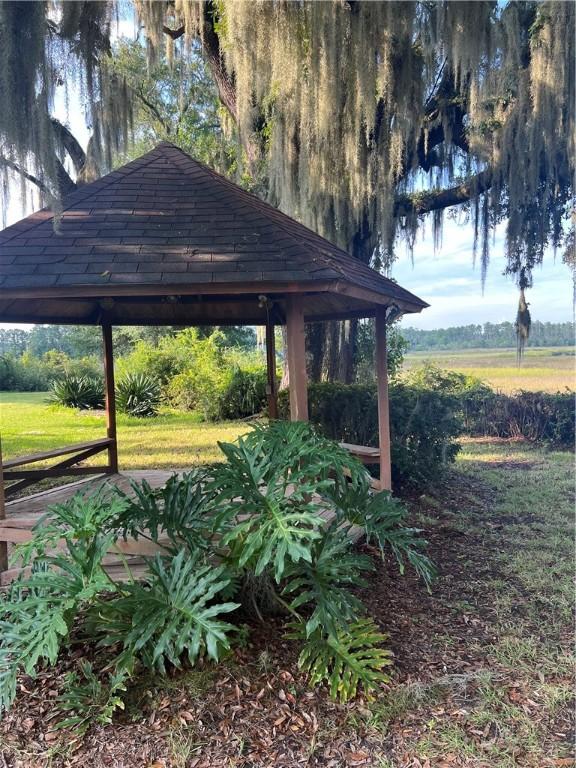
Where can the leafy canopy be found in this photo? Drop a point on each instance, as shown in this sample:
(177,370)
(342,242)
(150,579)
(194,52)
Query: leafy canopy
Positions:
(360,117)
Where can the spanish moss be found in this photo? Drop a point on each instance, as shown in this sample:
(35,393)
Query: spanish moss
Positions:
(361,119)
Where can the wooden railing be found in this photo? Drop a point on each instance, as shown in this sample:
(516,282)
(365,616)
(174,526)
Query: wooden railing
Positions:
(22,478)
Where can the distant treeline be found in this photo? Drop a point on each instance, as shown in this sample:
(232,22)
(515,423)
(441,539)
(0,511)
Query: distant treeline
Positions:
(488,336)
(79,341)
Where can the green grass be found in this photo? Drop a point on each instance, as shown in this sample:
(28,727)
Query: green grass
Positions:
(171,440)
(550,369)
(522,571)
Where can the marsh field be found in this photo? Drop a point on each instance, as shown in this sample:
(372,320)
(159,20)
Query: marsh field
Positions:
(549,369)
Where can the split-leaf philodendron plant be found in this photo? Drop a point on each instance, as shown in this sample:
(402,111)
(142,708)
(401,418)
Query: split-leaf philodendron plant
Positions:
(257,518)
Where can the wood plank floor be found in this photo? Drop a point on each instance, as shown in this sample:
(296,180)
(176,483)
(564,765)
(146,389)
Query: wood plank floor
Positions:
(24,513)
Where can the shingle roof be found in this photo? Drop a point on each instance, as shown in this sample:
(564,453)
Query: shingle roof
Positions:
(168,221)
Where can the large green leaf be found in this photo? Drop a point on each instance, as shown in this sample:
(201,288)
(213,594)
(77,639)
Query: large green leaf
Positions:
(79,521)
(175,611)
(345,660)
(179,510)
(322,582)
(267,508)
(383,519)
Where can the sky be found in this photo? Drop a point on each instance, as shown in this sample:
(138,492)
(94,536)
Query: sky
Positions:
(448,279)
(451,283)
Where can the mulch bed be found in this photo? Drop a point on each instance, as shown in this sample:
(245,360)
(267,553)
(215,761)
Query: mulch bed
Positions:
(257,711)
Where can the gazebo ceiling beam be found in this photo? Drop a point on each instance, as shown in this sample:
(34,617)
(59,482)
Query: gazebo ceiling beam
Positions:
(338,290)
(176,309)
(199,289)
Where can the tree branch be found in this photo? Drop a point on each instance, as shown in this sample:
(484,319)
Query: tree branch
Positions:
(153,109)
(23,172)
(71,144)
(444,97)
(175,34)
(211,47)
(425,202)
(65,183)
(213,55)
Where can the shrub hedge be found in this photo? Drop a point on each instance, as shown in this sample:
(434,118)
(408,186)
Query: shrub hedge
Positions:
(424,424)
(429,409)
(536,416)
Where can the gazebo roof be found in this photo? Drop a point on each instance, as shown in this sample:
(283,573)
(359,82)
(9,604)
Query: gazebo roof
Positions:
(166,240)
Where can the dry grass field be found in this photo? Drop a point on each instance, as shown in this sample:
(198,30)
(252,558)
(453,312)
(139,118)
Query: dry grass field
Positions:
(550,369)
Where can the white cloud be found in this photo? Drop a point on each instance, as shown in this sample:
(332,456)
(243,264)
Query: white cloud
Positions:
(451,283)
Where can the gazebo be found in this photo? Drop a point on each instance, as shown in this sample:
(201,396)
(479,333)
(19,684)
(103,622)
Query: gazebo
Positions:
(165,240)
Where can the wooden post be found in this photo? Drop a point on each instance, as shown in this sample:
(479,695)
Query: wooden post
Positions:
(271,369)
(3,544)
(383,404)
(110,397)
(296,358)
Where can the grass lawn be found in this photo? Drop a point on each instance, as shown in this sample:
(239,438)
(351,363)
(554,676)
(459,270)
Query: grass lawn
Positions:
(171,440)
(483,664)
(548,369)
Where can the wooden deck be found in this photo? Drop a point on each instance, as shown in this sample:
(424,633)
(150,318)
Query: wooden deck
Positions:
(24,513)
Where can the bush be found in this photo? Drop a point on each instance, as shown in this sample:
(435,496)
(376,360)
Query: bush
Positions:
(22,374)
(138,394)
(536,416)
(165,360)
(224,392)
(244,394)
(220,383)
(424,423)
(58,364)
(201,373)
(82,392)
(240,516)
(198,388)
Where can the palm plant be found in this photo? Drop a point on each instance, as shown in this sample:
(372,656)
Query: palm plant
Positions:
(138,394)
(83,392)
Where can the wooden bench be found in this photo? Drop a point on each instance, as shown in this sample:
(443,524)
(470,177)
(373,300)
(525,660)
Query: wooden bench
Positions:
(367,454)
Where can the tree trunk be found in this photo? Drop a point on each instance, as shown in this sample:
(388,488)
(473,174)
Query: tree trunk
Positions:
(315,337)
(347,353)
(331,351)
